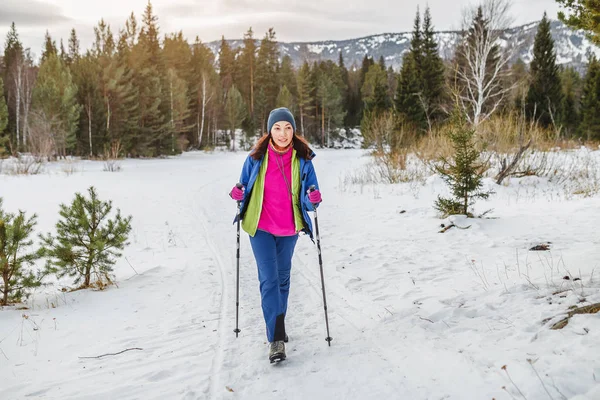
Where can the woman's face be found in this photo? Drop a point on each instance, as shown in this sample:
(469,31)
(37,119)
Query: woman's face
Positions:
(282,133)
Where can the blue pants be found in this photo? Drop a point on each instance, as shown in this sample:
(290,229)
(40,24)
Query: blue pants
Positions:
(273,256)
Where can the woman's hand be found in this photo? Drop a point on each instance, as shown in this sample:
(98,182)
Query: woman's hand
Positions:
(237,193)
(314,197)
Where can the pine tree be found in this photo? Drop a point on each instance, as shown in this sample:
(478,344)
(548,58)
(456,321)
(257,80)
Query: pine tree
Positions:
(410,86)
(55,105)
(87,74)
(585,14)
(352,100)
(287,76)
(431,72)
(416,41)
(285,99)
(235,110)
(519,80)
(267,65)
(131,30)
(328,96)
(226,64)
(87,242)
(569,110)
(261,107)
(569,115)
(305,100)
(590,101)
(544,96)
(464,174)
(13,48)
(73,54)
(153,136)
(49,47)
(367,62)
(247,62)
(375,90)
(346,95)
(181,96)
(63,55)
(15,256)
(177,54)
(407,100)
(120,94)
(179,107)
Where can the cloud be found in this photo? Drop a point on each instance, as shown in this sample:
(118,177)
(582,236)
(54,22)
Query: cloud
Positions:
(27,13)
(302,20)
(326,10)
(292,20)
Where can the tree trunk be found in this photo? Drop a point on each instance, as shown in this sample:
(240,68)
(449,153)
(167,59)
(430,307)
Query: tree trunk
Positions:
(251,89)
(88,267)
(172,120)
(88,277)
(198,135)
(26,99)
(19,89)
(107,117)
(204,101)
(88,110)
(328,128)
(302,119)
(5,296)
(5,291)
(323,125)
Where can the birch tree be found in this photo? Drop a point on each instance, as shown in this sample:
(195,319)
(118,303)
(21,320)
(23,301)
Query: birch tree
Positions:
(204,85)
(14,63)
(28,82)
(205,95)
(481,65)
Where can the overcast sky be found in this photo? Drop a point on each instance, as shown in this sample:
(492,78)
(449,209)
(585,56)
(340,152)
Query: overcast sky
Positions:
(293,20)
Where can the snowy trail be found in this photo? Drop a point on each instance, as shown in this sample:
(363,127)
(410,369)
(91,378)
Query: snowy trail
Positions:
(414,314)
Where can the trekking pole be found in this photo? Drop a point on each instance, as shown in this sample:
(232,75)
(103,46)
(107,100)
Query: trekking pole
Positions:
(237,283)
(328,338)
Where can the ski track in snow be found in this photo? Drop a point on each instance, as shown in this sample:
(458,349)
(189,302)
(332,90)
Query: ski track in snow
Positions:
(223,296)
(414,314)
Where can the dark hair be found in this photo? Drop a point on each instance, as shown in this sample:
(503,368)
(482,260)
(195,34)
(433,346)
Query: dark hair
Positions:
(300,144)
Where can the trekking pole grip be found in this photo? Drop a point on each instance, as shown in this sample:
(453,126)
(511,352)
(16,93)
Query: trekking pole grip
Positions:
(311,189)
(239,186)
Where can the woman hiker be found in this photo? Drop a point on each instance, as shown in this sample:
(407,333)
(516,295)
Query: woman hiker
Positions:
(275,201)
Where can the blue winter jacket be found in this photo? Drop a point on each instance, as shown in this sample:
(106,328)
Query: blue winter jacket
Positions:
(308,177)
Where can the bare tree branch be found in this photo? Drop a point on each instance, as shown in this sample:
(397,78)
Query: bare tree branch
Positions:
(114,354)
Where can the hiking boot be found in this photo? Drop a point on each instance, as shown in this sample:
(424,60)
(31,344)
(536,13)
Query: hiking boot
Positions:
(276,351)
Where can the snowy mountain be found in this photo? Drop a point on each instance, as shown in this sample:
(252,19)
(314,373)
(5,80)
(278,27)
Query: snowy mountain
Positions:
(571,46)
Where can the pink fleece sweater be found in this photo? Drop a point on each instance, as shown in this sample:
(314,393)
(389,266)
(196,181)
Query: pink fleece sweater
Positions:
(277,215)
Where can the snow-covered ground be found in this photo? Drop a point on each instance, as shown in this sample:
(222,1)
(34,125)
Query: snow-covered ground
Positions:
(414,314)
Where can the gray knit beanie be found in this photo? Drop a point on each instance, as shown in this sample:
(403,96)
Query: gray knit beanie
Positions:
(280,114)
